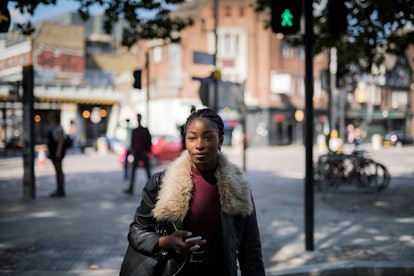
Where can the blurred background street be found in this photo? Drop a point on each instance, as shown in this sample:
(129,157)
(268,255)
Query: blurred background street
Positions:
(281,74)
(86,231)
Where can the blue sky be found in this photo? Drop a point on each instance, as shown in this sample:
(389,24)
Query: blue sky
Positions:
(43,12)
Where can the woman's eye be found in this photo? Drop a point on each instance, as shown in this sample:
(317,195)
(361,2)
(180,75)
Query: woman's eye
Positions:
(209,138)
(191,138)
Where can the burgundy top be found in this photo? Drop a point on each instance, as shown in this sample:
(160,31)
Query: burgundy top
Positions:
(203,218)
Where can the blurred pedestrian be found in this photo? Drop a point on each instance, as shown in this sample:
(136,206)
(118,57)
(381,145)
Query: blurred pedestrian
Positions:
(140,149)
(73,132)
(56,151)
(350,133)
(128,147)
(201,194)
(358,139)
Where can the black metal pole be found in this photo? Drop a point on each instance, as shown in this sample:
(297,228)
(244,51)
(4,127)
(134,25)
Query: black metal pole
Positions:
(244,126)
(309,197)
(29,187)
(216,3)
(147,62)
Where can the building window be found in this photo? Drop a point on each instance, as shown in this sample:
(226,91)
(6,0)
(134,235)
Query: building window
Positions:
(301,87)
(22,60)
(156,54)
(317,92)
(227,11)
(318,57)
(227,45)
(10,63)
(241,11)
(378,96)
(300,52)
(281,83)
(399,99)
(286,49)
(236,44)
(230,44)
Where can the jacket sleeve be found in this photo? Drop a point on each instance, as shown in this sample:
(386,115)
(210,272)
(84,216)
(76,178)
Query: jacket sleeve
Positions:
(250,250)
(142,234)
(149,143)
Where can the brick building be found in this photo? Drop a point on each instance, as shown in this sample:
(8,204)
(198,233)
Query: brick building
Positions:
(99,74)
(248,53)
(272,73)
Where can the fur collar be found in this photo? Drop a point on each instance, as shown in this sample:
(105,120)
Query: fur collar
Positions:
(177,185)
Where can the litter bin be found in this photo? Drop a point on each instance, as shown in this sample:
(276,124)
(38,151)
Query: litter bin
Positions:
(102,145)
(376,141)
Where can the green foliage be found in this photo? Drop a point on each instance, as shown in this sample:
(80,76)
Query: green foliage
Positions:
(374,26)
(147,19)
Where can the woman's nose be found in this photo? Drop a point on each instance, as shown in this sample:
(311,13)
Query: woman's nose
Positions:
(199,144)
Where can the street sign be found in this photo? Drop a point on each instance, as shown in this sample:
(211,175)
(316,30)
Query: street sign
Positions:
(203,58)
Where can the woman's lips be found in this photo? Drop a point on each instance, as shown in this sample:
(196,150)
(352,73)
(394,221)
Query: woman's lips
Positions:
(199,156)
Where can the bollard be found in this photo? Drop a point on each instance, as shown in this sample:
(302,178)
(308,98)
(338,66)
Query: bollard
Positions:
(376,141)
(41,156)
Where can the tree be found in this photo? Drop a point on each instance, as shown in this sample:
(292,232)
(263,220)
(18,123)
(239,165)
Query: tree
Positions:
(375,28)
(147,19)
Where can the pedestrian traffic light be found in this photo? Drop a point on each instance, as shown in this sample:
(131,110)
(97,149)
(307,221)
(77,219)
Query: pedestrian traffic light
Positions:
(337,12)
(286,16)
(14,95)
(137,79)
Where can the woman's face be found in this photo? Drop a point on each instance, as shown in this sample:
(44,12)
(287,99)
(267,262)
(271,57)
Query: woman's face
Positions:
(203,141)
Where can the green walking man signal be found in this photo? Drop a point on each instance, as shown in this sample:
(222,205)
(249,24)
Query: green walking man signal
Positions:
(286,16)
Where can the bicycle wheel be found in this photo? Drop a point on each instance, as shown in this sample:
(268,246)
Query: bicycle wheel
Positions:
(322,176)
(317,178)
(368,173)
(383,178)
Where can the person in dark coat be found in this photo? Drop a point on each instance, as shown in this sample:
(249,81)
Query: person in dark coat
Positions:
(140,148)
(56,151)
(201,194)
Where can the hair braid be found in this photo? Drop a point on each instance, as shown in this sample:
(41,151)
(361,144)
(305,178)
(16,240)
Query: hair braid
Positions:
(209,114)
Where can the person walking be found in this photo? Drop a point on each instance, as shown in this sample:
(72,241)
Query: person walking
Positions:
(128,148)
(56,151)
(200,195)
(140,149)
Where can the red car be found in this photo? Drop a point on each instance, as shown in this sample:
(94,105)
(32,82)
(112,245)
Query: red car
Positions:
(165,148)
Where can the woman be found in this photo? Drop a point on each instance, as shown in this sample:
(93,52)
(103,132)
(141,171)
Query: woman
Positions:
(200,194)
(56,152)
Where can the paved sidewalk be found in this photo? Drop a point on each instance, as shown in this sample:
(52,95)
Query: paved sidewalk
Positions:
(85,233)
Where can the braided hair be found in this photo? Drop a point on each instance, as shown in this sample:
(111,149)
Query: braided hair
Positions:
(209,114)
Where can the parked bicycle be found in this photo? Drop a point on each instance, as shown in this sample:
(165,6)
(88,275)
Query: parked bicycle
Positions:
(356,170)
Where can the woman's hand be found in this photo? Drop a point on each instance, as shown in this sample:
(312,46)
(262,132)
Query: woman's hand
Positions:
(175,241)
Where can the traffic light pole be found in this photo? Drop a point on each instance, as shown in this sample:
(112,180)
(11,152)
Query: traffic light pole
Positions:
(29,187)
(215,103)
(309,196)
(147,68)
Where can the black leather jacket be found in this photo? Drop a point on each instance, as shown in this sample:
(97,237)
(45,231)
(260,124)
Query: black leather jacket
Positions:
(241,239)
